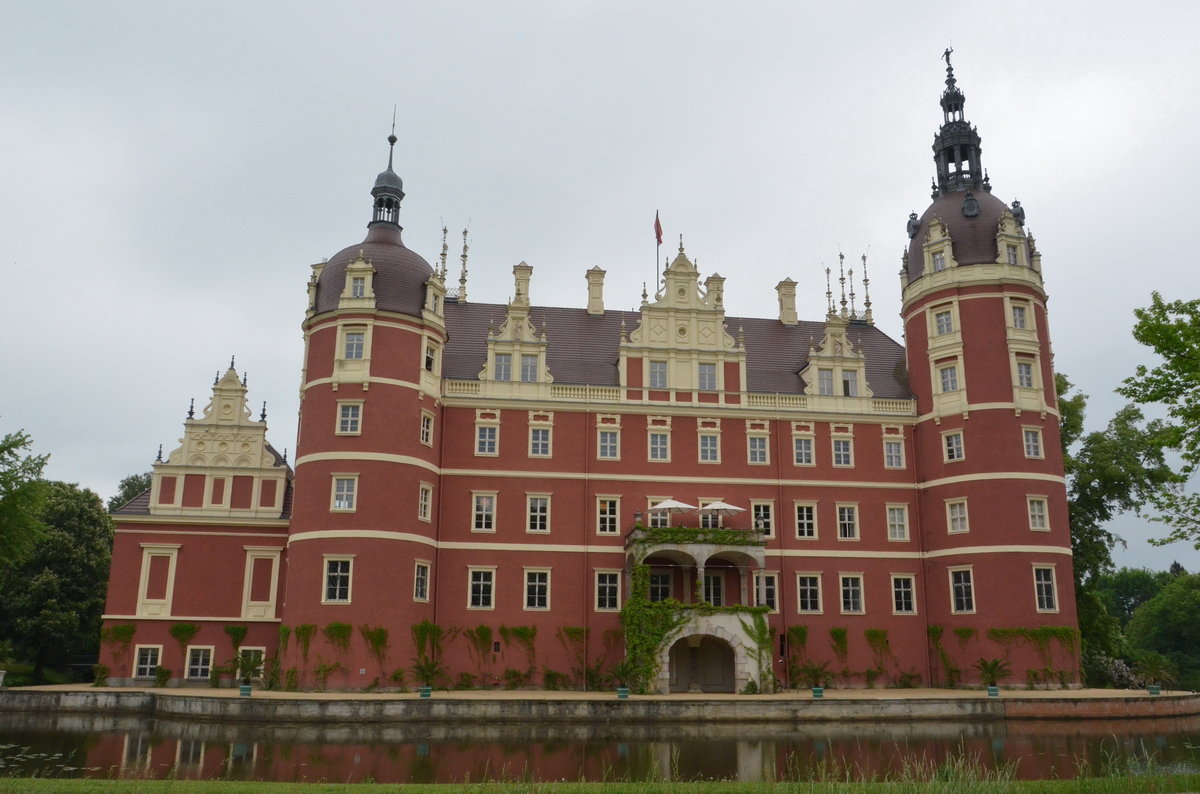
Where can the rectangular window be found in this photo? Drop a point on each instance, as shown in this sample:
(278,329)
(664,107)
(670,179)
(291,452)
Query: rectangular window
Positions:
(852,594)
(609,445)
(503,366)
(608,590)
(660,585)
(660,446)
(349,416)
(893,454)
(709,520)
(484,513)
(659,518)
(539,442)
(1011,250)
(538,514)
(944,322)
(843,452)
(606,515)
(482,588)
(849,383)
(714,589)
(1019,320)
(430,358)
(146,661)
(537,589)
(355,342)
(427,429)
(344,489)
(956,517)
(949,377)
(706,377)
(825,382)
(762,514)
(904,601)
(953,446)
(1025,374)
(806,520)
(358,286)
(808,592)
(424,501)
(337,580)
(485,439)
(766,587)
(658,375)
(802,451)
(962,590)
(847,522)
(939,261)
(897,517)
(1043,584)
(1037,513)
(1033,443)
(529,368)
(199,663)
(421,582)
(710,448)
(756,449)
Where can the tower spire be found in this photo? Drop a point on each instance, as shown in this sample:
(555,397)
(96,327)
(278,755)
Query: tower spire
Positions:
(956,149)
(388,190)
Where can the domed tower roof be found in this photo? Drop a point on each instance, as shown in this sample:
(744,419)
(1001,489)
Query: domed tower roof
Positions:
(962,192)
(400,274)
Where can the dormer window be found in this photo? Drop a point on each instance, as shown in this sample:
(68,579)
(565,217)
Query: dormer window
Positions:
(431,358)
(939,261)
(1018,317)
(529,368)
(658,375)
(503,368)
(849,383)
(1012,254)
(706,377)
(825,382)
(358,287)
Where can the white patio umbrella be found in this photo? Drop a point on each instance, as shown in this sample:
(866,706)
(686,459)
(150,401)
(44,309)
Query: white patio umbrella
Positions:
(722,508)
(671,505)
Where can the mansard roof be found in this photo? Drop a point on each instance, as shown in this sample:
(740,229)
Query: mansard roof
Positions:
(583,347)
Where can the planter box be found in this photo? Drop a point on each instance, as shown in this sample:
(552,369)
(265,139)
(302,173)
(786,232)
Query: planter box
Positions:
(818,692)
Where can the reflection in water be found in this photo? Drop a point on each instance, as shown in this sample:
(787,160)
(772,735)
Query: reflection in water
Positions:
(77,745)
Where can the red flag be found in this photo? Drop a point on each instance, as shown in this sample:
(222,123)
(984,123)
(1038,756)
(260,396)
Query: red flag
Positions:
(657,228)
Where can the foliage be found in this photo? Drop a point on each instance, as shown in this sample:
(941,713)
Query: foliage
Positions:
(574,640)
(1168,624)
(272,673)
(397,679)
(720,536)
(237,634)
(553,680)
(1126,589)
(323,671)
(623,672)
(646,624)
(132,486)
(291,679)
(480,639)
(427,667)
(515,679)
(52,596)
(1154,668)
(338,635)
(161,675)
(761,638)
(285,634)
(992,670)
(881,650)
(949,668)
(840,642)
(304,635)
(183,633)
(814,674)
(465,681)
(100,675)
(525,636)
(964,634)
(22,492)
(377,642)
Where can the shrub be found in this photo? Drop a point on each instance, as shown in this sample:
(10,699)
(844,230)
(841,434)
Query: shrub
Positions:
(100,675)
(161,675)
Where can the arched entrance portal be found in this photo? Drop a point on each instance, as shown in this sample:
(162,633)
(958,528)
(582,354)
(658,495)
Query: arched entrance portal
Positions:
(701,663)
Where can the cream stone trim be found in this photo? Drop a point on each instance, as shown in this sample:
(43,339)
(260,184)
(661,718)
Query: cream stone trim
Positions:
(919,555)
(969,407)
(260,609)
(192,520)
(998,475)
(366,381)
(377,534)
(985,274)
(188,618)
(380,457)
(157,607)
(1038,300)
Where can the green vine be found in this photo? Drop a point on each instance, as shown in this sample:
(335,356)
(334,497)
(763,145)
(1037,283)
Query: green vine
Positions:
(840,642)
(1039,638)
(881,649)
(322,672)
(236,635)
(525,636)
(720,536)
(964,634)
(285,634)
(183,634)
(339,635)
(951,670)
(304,635)
(761,635)
(797,643)
(377,642)
(120,634)
(480,639)
(574,639)
(427,666)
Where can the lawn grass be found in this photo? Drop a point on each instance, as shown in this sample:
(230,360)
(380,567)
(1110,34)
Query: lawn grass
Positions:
(1139,784)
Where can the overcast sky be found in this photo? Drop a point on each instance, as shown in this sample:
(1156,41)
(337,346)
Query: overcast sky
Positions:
(170,171)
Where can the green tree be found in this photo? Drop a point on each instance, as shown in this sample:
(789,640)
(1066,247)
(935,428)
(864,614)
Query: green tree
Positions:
(1126,589)
(51,598)
(21,493)
(1169,624)
(130,487)
(1172,331)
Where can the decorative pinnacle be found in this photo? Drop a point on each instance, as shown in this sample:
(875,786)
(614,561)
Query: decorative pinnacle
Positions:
(244,376)
(842,279)
(192,409)
(159,458)
(445,249)
(285,454)
(231,362)
(828,294)
(850,275)
(263,416)
(950,81)
(866,293)
(681,243)
(216,378)
(392,138)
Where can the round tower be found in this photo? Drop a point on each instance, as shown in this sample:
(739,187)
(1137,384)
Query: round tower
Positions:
(992,499)
(361,545)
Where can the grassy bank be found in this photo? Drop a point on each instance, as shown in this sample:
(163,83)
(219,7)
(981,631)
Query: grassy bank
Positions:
(1142,784)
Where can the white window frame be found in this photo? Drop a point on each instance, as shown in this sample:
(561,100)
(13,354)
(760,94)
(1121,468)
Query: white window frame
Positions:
(847,521)
(954,446)
(969,570)
(708,447)
(1025,373)
(706,376)
(616,587)
(843,579)
(714,585)
(615,446)
(840,462)
(958,518)
(1039,592)
(650,447)
(758,457)
(543,515)
(206,667)
(802,451)
(898,531)
(349,425)
(772,585)
(487,439)
(502,366)
(425,502)
(654,369)
(941,328)
(1035,450)
(820,610)
(604,518)
(418,565)
(825,382)
(488,581)
(894,461)
(544,447)
(338,493)
(812,506)
(146,670)
(1038,509)
(529,368)
(354,339)
(484,507)
(327,574)
(763,510)
(911,578)
(426,429)
(525,602)
(948,378)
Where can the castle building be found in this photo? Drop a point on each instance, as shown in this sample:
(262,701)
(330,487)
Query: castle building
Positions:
(509,494)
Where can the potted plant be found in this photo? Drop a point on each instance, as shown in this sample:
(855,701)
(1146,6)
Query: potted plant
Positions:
(247,666)
(622,673)
(1154,670)
(990,673)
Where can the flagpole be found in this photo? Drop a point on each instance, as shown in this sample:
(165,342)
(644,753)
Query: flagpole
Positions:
(657,250)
